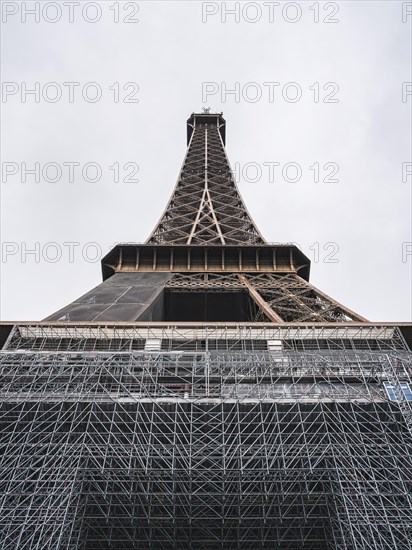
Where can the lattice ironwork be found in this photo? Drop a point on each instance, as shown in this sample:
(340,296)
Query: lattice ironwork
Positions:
(205,281)
(213,246)
(279,297)
(206,207)
(294,299)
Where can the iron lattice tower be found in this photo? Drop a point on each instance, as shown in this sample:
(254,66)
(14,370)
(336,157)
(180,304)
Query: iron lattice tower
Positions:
(205,396)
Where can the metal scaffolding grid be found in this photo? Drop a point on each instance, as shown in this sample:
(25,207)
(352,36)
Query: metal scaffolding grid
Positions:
(287,429)
(235,437)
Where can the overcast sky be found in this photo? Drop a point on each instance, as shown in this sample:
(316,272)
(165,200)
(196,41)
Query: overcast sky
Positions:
(333,96)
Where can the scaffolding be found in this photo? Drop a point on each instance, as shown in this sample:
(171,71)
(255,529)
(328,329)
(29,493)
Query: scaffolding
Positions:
(258,413)
(205,437)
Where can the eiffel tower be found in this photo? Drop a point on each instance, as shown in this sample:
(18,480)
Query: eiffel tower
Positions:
(205,396)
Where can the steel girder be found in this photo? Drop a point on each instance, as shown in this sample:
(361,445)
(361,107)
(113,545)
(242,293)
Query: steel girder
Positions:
(286,297)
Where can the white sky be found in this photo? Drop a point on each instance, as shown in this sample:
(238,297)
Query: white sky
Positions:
(169,53)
